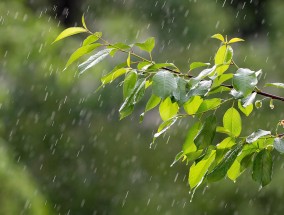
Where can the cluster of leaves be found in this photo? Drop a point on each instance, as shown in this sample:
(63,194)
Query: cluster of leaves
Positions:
(179,95)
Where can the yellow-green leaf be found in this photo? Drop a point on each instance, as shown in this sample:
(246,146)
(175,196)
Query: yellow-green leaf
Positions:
(92,38)
(192,105)
(80,52)
(223,57)
(113,75)
(168,109)
(246,110)
(153,102)
(198,170)
(128,60)
(69,32)
(218,37)
(232,121)
(235,40)
(83,22)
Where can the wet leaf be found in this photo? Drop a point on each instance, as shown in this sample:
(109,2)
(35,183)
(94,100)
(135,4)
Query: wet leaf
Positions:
(135,96)
(93,60)
(278,85)
(200,89)
(164,84)
(221,169)
(129,83)
(246,110)
(207,132)
(248,100)
(262,168)
(165,126)
(181,92)
(279,144)
(256,135)
(81,52)
(244,81)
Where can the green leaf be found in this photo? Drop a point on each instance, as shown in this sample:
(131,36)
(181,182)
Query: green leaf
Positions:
(223,130)
(92,38)
(83,22)
(262,168)
(200,89)
(279,144)
(206,72)
(168,109)
(143,65)
(192,105)
(256,135)
(209,104)
(249,99)
(80,52)
(198,170)
(181,92)
(93,60)
(221,79)
(129,83)
(128,61)
(148,45)
(153,102)
(135,96)
(113,75)
(232,121)
(122,46)
(165,126)
(246,110)
(241,162)
(189,145)
(244,82)
(223,57)
(278,85)
(69,32)
(218,37)
(235,40)
(195,65)
(164,84)
(206,134)
(221,169)
(226,143)
(126,111)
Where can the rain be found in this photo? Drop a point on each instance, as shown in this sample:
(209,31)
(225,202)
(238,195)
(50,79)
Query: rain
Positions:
(64,149)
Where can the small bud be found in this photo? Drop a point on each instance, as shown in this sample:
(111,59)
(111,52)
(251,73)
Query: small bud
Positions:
(258,104)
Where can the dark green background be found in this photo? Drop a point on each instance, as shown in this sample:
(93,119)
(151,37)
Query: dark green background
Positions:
(63,149)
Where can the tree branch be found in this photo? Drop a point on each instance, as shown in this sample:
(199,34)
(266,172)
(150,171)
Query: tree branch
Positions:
(275,97)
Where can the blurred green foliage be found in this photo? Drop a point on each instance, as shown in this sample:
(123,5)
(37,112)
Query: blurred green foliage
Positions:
(64,150)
